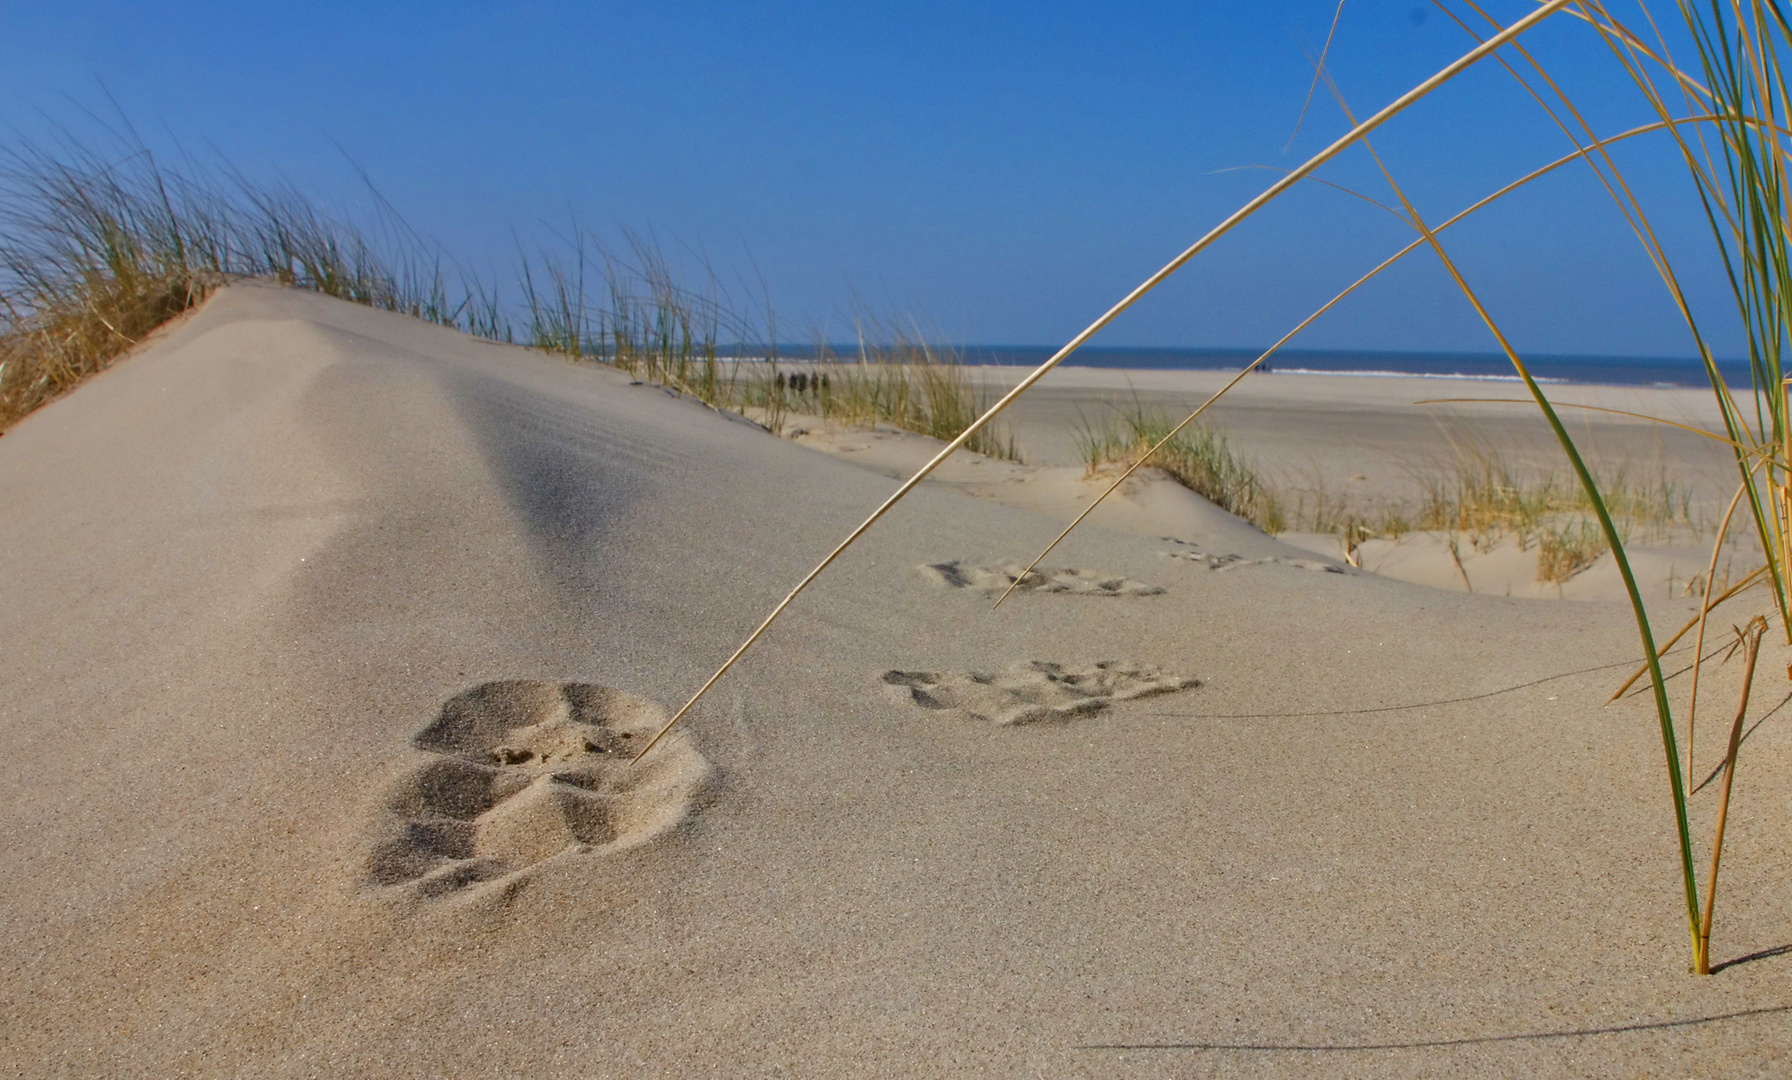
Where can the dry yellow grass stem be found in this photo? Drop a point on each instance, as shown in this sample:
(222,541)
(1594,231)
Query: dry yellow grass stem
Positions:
(1670,750)
(1629,50)
(1355,135)
(1749,638)
(1758,218)
(1753,578)
(1784,488)
(1698,648)
(1619,30)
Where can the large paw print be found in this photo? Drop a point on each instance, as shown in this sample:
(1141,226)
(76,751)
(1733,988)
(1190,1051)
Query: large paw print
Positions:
(525,771)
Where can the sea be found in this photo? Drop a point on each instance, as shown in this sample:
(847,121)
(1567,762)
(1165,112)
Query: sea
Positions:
(1480,367)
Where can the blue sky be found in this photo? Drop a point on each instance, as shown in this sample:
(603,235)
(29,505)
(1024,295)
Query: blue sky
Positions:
(1004,172)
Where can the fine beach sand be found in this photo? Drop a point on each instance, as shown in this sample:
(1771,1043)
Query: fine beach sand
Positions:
(326,635)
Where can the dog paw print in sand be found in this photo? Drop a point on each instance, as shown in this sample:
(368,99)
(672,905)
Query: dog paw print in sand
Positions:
(524,771)
(1188,552)
(1032,691)
(1045,579)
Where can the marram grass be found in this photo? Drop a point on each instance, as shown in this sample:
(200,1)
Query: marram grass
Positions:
(98,249)
(1747,207)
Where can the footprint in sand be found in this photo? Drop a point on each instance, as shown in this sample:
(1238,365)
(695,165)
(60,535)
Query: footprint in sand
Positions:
(527,770)
(1032,691)
(1045,579)
(1190,553)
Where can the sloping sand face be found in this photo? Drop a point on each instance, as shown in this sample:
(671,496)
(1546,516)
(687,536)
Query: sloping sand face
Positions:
(304,579)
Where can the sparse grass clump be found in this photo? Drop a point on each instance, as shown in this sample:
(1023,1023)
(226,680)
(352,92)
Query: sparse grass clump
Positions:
(900,380)
(1565,550)
(652,325)
(907,386)
(97,249)
(1198,457)
(1478,499)
(1484,497)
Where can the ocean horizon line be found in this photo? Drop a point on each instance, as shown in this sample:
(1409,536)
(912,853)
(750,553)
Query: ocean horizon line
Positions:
(1557,368)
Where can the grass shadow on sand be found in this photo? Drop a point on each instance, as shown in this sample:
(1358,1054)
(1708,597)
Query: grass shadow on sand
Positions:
(1400,708)
(1477,1040)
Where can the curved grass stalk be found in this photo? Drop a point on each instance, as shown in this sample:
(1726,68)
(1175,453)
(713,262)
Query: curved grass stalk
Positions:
(1355,135)
(1698,648)
(1337,15)
(1619,30)
(1626,203)
(1744,77)
(1756,182)
(1751,579)
(1663,713)
(1733,111)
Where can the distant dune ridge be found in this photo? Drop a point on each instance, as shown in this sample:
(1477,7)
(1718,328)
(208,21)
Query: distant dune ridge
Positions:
(326,634)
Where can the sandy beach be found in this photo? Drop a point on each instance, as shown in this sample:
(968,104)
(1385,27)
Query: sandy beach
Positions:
(327,635)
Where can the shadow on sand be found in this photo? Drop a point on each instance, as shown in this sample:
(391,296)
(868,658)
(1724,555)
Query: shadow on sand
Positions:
(1481,1040)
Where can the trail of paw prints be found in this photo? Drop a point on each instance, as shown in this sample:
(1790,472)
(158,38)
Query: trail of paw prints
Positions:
(995,580)
(1188,552)
(524,771)
(1032,691)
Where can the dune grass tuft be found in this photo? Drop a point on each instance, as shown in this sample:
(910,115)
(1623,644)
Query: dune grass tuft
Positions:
(1198,457)
(634,312)
(902,381)
(98,248)
(1483,497)
(1478,497)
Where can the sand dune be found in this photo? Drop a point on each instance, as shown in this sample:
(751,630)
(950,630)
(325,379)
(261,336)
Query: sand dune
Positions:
(324,632)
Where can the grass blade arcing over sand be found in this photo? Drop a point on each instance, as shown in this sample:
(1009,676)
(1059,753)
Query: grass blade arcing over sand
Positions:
(1745,89)
(1350,138)
(1759,193)
(1614,539)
